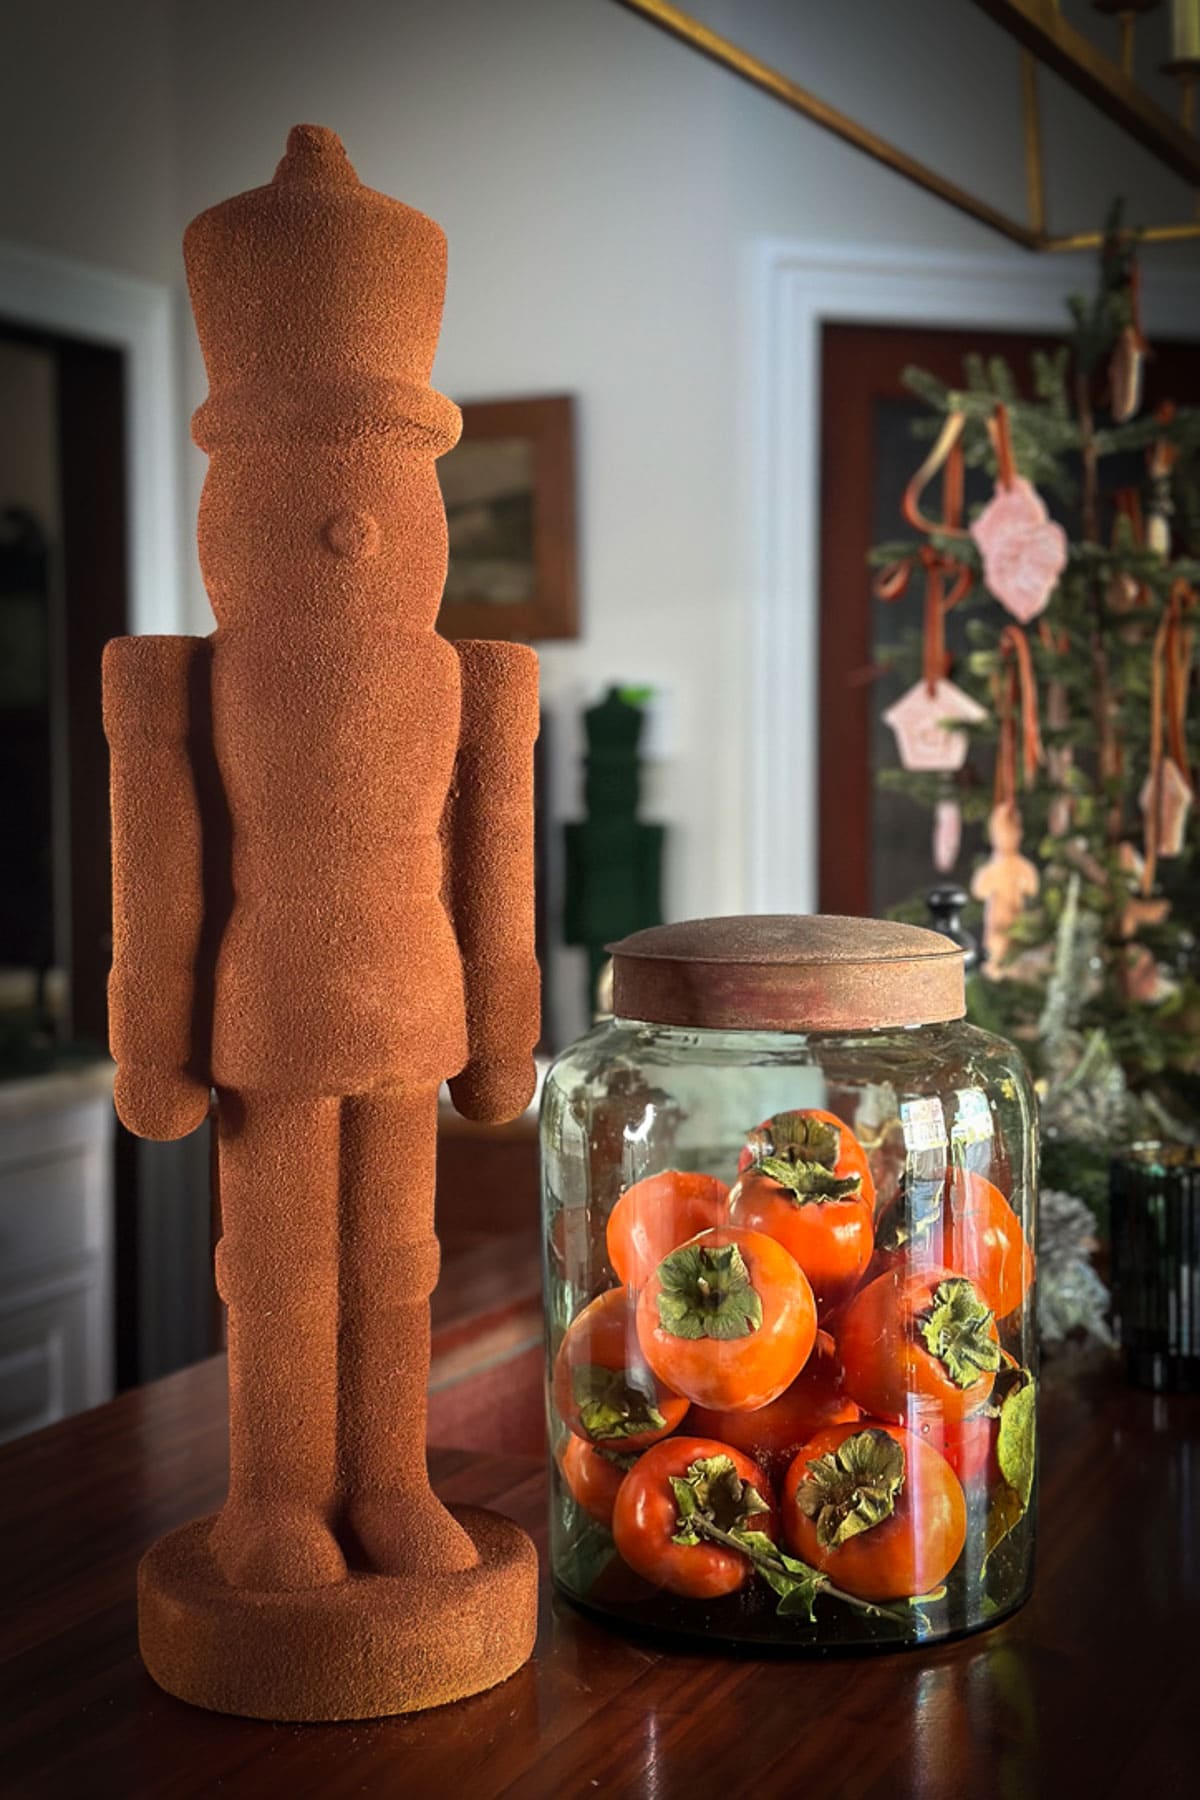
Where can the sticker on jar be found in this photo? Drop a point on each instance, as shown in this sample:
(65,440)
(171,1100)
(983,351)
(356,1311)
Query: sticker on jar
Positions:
(972,1131)
(924,1125)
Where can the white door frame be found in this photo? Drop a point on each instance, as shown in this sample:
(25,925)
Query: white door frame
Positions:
(50,293)
(793,290)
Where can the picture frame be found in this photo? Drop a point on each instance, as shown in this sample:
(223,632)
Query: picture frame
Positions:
(509,492)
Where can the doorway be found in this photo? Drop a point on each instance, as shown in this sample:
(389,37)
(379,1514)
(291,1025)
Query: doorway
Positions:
(874,848)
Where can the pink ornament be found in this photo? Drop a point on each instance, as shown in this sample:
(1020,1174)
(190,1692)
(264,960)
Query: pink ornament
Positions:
(947,835)
(924,725)
(1024,552)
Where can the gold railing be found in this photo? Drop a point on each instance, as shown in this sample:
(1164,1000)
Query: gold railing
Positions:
(1045,37)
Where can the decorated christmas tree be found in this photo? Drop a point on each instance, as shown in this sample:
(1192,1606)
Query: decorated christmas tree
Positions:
(1063,724)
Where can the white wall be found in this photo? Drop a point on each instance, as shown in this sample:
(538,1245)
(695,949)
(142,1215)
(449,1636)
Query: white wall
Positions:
(87,132)
(600,186)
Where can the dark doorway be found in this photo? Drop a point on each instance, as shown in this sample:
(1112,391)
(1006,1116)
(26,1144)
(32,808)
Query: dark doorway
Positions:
(63,593)
(63,563)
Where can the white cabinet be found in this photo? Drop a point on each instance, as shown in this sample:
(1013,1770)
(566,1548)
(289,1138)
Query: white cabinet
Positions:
(56,1246)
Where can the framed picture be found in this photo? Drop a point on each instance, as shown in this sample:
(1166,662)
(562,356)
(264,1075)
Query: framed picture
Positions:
(509,490)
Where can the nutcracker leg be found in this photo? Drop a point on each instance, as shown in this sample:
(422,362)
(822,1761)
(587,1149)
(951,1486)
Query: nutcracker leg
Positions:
(391,1521)
(277,1269)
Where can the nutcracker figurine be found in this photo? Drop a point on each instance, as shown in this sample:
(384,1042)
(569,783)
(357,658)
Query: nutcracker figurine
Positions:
(323,873)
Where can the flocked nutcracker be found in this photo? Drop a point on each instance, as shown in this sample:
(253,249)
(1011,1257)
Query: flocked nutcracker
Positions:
(322,821)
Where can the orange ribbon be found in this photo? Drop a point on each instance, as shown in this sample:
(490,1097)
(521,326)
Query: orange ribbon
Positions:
(998,431)
(939,567)
(1162,454)
(1127,502)
(1015,684)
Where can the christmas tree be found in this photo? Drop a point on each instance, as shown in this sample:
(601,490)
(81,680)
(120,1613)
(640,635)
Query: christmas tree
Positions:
(1064,724)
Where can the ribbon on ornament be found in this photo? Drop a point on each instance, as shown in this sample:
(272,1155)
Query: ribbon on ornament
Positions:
(1014,684)
(947,579)
(1169,788)
(1128,356)
(1023,550)
(1001,439)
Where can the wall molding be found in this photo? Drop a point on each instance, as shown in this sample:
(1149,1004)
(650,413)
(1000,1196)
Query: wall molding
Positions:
(55,294)
(793,290)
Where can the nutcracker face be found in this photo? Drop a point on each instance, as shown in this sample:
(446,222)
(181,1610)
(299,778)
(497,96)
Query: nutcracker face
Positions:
(323,531)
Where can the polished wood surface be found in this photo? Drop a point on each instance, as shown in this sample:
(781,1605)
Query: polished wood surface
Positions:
(1089,1691)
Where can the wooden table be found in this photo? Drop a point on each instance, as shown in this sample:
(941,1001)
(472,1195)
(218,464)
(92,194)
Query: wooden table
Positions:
(1092,1690)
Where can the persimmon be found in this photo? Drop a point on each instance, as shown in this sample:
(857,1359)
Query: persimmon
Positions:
(969,1446)
(825,1221)
(815,1399)
(968,1226)
(665,1503)
(656,1215)
(916,1342)
(809,1134)
(593,1477)
(728,1319)
(603,1390)
(982,1237)
(879,1512)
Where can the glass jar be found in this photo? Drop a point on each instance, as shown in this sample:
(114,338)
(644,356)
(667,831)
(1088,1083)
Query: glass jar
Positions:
(788,1202)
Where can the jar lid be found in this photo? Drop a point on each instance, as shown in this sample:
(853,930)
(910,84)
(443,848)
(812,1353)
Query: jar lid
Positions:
(788,972)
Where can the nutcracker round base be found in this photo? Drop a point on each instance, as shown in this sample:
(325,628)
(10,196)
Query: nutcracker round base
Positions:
(368,1647)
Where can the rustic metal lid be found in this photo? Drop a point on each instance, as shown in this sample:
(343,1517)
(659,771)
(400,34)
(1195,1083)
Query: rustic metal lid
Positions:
(788,972)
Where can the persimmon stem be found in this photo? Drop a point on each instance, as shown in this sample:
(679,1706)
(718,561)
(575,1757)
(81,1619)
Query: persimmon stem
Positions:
(727,1538)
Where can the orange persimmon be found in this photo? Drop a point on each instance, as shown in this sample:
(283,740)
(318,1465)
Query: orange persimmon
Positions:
(603,1390)
(728,1319)
(656,1215)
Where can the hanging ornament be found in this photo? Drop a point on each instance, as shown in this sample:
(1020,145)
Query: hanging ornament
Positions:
(1007,879)
(947,833)
(1123,593)
(1024,552)
(1173,802)
(1143,979)
(1128,357)
(1167,792)
(926,719)
(1004,883)
(1160,461)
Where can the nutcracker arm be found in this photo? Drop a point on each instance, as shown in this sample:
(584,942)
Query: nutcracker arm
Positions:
(150,684)
(488,838)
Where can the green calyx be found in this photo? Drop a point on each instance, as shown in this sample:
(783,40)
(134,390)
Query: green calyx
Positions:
(797,1137)
(613,1404)
(853,1488)
(805,1181)
(712,1493)
(707,1292)
(715,1506)
(957,1329)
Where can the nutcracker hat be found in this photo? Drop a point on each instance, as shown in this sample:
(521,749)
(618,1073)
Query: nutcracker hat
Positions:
(318,303)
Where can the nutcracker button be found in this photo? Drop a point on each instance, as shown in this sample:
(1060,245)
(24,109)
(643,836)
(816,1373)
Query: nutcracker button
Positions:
(354,536)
